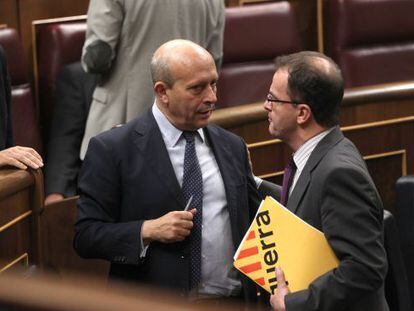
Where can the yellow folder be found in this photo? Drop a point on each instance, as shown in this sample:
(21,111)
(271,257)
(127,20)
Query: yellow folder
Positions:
(277,237)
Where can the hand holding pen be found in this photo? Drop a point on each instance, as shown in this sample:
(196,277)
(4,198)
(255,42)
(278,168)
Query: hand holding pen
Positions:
(174,226)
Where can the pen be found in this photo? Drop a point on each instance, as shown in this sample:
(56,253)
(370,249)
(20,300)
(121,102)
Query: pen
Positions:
(187,206)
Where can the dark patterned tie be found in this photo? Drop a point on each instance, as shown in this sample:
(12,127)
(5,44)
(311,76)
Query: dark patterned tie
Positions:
(290,170)
(193,187)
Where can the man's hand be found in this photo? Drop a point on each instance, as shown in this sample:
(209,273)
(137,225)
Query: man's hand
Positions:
(20,157)
(172,227)
(277,300)
(53,197)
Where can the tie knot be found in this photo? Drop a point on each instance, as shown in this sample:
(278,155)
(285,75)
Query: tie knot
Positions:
(189,136)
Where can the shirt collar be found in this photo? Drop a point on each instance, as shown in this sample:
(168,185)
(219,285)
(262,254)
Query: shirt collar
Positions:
(170,133)
(301,156)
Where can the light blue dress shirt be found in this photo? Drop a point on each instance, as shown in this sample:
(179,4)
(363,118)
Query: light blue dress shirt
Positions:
(219,278)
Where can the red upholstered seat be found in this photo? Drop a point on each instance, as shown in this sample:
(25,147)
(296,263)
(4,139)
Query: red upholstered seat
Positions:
(25,126)
(57,43)
(372,40)
(254,35)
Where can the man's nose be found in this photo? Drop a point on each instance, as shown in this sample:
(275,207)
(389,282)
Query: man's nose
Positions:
(211,95)
(267,105)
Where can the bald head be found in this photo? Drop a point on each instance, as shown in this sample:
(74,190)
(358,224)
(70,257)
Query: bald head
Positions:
(184,77)
(174,55)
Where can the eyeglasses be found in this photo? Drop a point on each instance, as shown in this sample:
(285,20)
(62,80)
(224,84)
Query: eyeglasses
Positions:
(271,99)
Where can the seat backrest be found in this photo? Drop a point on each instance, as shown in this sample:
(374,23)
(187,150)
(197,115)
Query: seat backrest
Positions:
(24,121)
(396,283)
(405,221)
(57,42)
(58,256)
(371,40)
(254,35)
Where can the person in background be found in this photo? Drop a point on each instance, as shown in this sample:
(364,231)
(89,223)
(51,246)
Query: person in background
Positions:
(329,187)
(74,88)
(17,156)
(121,37)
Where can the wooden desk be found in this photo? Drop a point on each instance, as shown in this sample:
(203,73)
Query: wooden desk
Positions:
(21,197)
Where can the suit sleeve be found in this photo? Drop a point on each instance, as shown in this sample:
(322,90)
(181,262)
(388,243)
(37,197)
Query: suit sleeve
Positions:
(68,126)
(104,24)
(351,214)
(268,188)
(98,230)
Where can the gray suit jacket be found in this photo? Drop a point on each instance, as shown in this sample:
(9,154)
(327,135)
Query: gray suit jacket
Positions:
(268,188)
(336,194)
(134,29)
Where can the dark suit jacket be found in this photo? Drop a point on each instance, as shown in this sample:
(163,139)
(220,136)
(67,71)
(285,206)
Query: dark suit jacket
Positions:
(73,97)
(127,177)
(268,188)
(5,104)
(336,194)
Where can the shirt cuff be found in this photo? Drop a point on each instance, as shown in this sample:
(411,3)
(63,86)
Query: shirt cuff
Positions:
(144,249)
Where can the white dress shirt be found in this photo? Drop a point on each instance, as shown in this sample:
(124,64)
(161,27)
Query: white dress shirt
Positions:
(301,156)
(218,277)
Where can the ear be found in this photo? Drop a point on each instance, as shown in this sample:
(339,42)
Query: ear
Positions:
(160,90)
(304,113)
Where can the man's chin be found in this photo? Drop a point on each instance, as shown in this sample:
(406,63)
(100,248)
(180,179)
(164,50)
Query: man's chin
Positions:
(273,132)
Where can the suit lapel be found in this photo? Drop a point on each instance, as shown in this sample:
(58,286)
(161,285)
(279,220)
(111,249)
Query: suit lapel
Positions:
(316,156)
(148,139)
(225,160)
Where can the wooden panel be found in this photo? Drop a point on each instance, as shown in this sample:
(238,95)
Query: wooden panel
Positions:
(21,195)
(56,224)
(269,158)
(376,111)
(385,169)
(9,13)
(16,265)
(13,206)
(15,241)
(383,137)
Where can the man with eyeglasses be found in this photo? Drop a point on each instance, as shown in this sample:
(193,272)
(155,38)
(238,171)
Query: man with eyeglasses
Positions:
(329,187)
